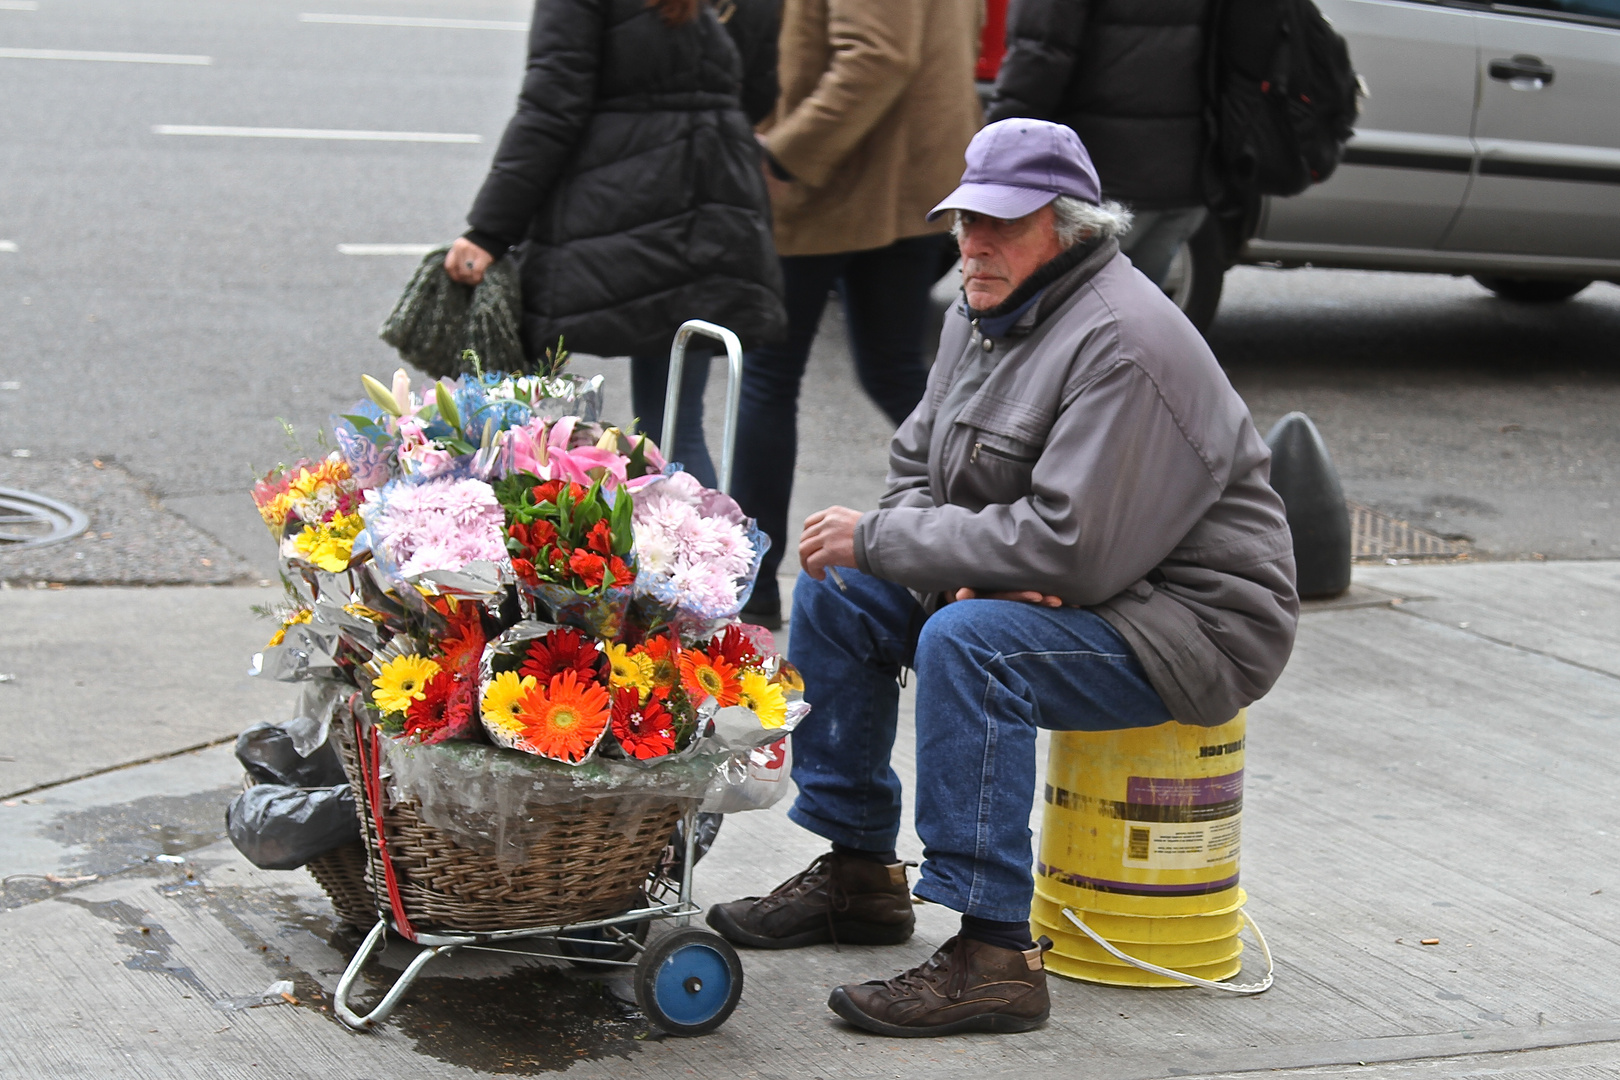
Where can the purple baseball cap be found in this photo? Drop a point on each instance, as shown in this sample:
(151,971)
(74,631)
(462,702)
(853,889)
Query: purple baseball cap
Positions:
(1017,166)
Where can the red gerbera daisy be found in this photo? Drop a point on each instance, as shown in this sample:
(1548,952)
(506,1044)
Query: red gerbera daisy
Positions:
(735,647)
(447,709)
(564,649)
(644,730)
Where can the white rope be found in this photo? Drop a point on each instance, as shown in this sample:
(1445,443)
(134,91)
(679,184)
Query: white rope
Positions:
(1231,988)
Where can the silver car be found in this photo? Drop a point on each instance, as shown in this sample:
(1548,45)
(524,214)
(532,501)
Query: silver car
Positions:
(1488,144)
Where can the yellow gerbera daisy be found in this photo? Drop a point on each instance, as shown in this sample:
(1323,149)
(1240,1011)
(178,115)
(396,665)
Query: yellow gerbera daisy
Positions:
(503,700)
(764,697)
(629,669)
(400,682)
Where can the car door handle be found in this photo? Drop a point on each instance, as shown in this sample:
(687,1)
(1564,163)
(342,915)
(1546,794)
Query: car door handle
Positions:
(1522,72)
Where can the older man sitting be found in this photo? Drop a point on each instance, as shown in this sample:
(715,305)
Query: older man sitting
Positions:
(1078,534)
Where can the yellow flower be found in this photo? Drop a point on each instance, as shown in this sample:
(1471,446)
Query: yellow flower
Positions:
(360,611)
(400,682)
(630,669)
(503,700)
(302,615)
(330,544)
(275,511)
(764,697)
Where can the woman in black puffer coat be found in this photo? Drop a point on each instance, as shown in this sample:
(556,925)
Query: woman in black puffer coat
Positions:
(628,187)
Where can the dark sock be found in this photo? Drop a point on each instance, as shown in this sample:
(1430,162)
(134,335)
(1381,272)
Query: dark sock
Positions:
(1003,935)
(887,858)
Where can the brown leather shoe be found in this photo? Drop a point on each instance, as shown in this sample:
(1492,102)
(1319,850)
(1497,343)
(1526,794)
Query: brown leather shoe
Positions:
(965,986)
(835,899)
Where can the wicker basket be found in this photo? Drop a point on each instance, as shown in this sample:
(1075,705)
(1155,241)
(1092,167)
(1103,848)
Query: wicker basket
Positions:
(596,856)
(343,873)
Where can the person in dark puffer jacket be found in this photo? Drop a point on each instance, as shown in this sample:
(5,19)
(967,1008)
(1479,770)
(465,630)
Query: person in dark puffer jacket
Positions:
(1128,77)
(629,188)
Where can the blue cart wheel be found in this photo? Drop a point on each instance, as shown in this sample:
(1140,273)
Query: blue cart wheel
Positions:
(689,981)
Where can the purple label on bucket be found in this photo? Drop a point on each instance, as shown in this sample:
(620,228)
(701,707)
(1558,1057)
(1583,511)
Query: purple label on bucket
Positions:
(1181,791)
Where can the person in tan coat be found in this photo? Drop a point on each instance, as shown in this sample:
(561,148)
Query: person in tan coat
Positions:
(877,108)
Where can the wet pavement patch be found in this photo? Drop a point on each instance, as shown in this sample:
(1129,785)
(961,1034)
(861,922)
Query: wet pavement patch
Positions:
(529,1021)
(151,945)
(129,834)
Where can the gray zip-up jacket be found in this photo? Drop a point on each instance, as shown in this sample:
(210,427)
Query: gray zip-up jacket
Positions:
(1106,460)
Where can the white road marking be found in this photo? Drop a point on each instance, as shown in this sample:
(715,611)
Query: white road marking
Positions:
(19,5)
(418,250)
(315,133)
(8,245)
(412,20)
(104,57)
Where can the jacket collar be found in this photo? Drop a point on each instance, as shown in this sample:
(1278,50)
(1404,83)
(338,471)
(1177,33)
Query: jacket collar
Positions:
(1044,291)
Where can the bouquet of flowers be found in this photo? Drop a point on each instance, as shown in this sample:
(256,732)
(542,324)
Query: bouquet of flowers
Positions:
(570,547)
(431,692)
(312,510)
(698,554)
(482,560)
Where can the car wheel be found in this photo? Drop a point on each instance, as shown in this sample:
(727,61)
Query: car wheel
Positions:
(1531,290)
(1195,275)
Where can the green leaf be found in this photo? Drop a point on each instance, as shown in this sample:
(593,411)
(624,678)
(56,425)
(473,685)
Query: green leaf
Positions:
(623,535)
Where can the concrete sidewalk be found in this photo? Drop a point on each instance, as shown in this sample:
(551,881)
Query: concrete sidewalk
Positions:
(1436,763)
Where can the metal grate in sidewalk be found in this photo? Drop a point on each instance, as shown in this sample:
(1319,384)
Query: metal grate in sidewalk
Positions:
(1377,536)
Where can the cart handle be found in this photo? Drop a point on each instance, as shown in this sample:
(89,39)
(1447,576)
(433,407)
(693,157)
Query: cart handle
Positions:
(672,396)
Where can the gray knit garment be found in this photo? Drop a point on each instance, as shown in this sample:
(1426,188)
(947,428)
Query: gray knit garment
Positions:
(436,319)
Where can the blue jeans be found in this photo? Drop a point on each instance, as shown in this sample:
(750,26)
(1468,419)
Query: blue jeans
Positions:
(989,673)
(649,381)
(885,297)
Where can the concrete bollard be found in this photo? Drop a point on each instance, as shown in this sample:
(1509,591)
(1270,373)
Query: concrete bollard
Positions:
(1302,473)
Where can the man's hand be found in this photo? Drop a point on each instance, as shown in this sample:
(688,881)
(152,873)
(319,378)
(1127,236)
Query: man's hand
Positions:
(828,540)
(1023,596)
(466,261)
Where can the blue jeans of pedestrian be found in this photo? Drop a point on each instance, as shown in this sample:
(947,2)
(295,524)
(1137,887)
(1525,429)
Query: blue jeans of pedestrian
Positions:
(885,297)
(649,382)
(989,673)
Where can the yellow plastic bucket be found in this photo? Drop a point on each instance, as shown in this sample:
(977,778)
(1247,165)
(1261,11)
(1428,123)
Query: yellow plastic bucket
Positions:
(1140,838)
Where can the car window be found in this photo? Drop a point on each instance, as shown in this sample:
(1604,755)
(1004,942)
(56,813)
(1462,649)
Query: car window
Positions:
(1605,10)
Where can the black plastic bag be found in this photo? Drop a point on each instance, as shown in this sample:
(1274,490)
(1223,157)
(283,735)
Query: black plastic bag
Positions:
(281,827)
(267,753)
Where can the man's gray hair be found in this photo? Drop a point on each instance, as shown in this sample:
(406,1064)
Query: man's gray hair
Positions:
(1078,220)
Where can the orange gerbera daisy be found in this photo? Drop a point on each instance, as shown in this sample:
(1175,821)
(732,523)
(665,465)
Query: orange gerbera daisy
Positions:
(664,655)
(709,676)
(563,719)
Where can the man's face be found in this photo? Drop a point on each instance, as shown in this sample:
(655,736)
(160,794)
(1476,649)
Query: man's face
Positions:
(997,254)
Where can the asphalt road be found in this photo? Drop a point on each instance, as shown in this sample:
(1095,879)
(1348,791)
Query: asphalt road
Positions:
(171,297)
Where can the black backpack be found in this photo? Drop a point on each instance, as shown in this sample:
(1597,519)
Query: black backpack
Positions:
(1283,98)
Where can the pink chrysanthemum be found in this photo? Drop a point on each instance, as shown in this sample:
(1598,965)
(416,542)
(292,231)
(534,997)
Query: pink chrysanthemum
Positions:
(441,525)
